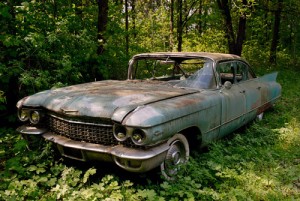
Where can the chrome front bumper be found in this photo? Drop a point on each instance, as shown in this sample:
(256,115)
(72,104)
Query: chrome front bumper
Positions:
(130,159)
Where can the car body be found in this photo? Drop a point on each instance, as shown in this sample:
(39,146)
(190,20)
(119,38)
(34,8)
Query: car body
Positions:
(169,104)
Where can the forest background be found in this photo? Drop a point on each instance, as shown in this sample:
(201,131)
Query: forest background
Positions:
(55,43)
(52,43)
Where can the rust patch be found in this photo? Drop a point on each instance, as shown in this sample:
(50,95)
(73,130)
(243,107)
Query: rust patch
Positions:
(263,108)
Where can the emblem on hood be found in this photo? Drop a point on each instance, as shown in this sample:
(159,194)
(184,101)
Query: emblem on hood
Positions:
(68,111)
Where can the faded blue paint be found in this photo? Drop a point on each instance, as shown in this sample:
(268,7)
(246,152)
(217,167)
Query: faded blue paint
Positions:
(160,109)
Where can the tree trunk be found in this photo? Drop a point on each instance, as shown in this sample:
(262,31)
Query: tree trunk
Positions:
(229,34)
(179,26)
(78,9)
(276,28)
(102,22)
(126,28)
(235,43)
(185,9)
(171,45)
(199,24)
(10,53)
(133,18)
(241,35)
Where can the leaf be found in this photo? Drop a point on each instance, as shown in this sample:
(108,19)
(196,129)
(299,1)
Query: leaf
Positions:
(87,193)
(20,145)
(165,185)
(2,152)
(52,182)
(32,168)
(43,179)
(40,170)
(87,174)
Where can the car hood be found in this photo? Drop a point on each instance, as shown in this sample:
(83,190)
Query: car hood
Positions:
(105,99)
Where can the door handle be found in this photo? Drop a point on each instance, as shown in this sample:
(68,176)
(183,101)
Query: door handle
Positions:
(242,91)
(259,87)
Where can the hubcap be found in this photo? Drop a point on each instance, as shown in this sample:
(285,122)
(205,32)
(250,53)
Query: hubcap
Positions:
(177,154)
(176,158)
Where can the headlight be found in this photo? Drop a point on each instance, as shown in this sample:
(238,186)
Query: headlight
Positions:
(23,115)
(35,117)
(138,136)
(120,132)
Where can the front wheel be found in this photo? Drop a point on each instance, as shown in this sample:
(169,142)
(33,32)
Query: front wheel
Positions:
(177,154)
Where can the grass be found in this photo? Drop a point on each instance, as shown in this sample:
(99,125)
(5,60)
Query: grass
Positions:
(261,162)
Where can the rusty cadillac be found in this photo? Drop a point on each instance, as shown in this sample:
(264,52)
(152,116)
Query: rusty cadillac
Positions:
(169,104)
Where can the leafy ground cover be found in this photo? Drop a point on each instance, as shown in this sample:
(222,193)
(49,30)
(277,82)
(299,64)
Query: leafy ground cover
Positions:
(260,162)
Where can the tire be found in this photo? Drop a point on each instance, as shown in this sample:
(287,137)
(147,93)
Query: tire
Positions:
(177,155)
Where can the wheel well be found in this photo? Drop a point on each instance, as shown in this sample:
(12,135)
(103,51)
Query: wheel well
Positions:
(193,135)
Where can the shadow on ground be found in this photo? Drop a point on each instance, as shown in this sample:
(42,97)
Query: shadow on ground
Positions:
(105,168)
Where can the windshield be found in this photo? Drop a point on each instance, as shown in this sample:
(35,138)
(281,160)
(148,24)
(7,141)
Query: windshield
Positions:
(180,72)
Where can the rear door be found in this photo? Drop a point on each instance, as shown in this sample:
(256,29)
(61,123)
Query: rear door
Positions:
(233,98)
(251,88)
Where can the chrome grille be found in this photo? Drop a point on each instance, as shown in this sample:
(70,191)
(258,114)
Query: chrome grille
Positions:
(87,132)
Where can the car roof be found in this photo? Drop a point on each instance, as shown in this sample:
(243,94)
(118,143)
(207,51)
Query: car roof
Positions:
(213,56)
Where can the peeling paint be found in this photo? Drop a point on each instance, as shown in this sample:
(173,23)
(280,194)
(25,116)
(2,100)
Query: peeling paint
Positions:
(147,113)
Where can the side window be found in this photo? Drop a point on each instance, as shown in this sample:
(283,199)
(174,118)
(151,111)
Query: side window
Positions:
(226,71)
(242,72)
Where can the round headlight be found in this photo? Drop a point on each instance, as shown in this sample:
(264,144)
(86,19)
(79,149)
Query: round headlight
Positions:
(120,132)
(23,115)
(35,117)
(138,136)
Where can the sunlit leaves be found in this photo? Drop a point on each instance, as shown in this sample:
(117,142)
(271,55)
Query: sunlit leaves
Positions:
(88,173)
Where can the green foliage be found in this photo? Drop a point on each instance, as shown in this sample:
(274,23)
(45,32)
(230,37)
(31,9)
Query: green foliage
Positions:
(47,44)
(211,40)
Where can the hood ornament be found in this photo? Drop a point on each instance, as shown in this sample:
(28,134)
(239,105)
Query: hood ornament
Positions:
(68,111)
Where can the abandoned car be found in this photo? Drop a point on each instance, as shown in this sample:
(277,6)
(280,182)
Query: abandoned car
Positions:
(169,104)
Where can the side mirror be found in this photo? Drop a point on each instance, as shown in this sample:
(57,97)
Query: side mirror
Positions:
(227,85)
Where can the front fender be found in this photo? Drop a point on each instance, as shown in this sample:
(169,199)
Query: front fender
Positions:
(121,112)
(145,116)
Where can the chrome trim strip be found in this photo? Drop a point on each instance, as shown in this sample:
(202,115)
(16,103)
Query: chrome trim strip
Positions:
(117,150)
(80,122)
(31,130)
